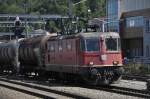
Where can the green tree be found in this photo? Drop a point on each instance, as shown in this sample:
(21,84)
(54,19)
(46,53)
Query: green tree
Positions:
(52,26)
(14,9)
(60,7)
(97,7)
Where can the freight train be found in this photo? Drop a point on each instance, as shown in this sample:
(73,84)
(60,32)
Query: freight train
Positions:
(93,58)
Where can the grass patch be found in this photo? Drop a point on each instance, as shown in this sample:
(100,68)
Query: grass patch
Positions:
(137,68)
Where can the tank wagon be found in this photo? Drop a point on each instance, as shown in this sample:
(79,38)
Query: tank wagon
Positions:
(94,58)
(31,53)
(8,55)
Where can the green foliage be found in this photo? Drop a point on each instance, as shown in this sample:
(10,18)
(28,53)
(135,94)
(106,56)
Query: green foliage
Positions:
(97,9)
(81,10)
(137,68)
(52,26)
(29,29)
(14,9)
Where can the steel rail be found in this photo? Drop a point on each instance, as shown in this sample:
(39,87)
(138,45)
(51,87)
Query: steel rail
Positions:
(39,88)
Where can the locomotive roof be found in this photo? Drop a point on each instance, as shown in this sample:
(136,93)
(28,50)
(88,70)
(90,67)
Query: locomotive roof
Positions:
(100,34)
(86,35)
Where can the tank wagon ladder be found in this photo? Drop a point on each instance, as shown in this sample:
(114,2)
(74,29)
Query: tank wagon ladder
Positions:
(16,62)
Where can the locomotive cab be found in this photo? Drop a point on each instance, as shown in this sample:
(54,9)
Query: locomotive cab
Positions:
(101,55)
(101,50)
(113,47)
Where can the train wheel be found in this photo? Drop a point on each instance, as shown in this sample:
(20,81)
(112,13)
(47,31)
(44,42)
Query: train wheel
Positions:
(103,78)
(1,71)
(118,75)
(92,77)
(95,76)
(117,78)
(42,74)
(97,80)
(148,84)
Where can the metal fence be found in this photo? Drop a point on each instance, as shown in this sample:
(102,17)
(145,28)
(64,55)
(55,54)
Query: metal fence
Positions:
(137,61)
(137,66)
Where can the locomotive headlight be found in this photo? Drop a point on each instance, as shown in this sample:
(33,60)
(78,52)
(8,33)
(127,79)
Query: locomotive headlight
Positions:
(91,63)
(115,62)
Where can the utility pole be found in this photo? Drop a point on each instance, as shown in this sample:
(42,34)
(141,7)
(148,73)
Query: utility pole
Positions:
(70,4)
(17,62)
(18,32)
(70,14)
(25,5)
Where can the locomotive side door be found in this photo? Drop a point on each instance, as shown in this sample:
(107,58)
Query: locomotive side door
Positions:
(51,52)
(77,51)
(77,45)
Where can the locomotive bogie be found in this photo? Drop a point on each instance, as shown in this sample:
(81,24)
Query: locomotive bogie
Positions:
(101,76)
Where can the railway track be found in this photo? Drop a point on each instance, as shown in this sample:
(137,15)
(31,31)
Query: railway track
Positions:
(111,89)
(136,77)
(36,90)
(123,90)
(128,91)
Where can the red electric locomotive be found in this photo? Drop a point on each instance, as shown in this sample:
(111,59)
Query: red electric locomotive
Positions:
(93,57)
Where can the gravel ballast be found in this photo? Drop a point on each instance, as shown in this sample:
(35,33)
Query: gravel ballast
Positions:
(12,94)
(90,93)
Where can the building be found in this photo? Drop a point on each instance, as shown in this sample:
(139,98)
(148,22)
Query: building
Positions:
(113,12)
(134,25)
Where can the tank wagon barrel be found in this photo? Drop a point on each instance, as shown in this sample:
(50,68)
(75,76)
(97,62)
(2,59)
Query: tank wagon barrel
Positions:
(30,51)
(8,54)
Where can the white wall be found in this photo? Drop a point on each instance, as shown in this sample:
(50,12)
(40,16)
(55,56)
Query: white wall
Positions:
(131,5)
(146,42)
(121,7)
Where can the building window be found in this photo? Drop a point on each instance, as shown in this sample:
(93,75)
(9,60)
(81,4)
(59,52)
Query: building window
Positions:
(112,6)
(134,21)
(147,26)
(113,26)
(147,51)
(48,57)
(133,52)
(112,14)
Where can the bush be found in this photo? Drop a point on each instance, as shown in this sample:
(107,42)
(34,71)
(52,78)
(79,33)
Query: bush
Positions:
(137,69)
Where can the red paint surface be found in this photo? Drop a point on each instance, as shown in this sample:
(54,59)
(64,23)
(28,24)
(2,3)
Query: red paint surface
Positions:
(76,57)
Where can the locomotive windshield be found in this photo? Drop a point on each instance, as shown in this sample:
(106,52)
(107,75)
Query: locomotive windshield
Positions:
(111,44)
(92,44)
